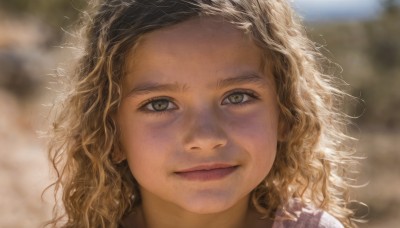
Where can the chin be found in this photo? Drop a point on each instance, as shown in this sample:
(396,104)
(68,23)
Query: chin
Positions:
(206,209)
(208,204)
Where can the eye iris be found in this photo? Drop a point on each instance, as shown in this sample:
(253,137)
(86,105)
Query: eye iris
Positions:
(160,105)
(236,98)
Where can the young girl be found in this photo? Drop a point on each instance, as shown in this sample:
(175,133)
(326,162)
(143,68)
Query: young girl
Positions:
(200,113)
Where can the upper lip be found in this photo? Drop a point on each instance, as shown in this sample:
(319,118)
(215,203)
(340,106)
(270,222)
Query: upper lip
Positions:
(206,167)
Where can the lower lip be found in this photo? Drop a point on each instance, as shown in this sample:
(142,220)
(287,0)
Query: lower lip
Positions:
(207,175)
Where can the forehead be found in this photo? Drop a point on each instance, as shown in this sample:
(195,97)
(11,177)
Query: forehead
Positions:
(216,30)
(210,33)
(197,47)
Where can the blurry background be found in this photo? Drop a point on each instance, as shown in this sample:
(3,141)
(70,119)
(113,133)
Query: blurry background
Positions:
(362,36)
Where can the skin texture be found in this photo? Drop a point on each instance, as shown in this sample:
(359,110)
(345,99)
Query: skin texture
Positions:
(203,124)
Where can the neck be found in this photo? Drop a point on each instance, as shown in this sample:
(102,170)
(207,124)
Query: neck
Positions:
(171,216)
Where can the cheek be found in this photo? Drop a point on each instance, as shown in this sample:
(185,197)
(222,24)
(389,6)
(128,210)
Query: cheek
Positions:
(257,135)
(257,128)
(145,145)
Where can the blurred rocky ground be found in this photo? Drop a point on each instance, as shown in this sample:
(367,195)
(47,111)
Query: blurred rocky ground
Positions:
(30,52)
(25,62)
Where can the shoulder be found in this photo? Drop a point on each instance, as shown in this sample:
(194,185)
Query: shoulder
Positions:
(307,216)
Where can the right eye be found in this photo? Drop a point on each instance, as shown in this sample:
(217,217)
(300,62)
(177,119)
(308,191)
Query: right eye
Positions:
(158,105)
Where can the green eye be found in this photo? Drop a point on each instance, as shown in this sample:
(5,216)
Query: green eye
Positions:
(240,97)
(158,105)
(236,98)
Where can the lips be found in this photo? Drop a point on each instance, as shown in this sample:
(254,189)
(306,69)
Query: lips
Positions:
(207,172)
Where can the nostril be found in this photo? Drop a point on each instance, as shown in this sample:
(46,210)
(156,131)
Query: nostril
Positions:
(202,144)
(217,146)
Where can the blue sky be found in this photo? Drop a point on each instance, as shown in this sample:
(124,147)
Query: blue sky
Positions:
(326,10)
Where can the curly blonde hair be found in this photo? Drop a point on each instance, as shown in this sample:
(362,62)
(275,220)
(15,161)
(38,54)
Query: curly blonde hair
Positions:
(311,163)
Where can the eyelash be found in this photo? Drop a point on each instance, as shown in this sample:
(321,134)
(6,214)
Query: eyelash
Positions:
(253,96)
(151,100)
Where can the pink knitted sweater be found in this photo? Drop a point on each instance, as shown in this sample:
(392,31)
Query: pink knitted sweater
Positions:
(307,217)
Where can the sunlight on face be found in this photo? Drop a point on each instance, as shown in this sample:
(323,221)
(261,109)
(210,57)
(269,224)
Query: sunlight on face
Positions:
(199,116)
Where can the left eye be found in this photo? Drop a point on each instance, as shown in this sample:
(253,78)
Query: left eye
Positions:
(159,105)
(239,98)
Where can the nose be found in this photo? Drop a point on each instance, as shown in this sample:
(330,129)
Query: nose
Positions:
(204,133)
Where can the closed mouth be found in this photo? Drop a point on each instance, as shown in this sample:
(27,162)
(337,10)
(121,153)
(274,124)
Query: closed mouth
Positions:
(207,172)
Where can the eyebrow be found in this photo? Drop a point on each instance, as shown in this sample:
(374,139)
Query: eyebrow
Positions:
(151,87)
(248,78)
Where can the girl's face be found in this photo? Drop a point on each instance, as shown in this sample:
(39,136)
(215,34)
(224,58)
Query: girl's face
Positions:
(199,117)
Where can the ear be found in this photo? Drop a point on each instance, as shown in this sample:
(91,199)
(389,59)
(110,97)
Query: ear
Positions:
(117,155)
(282,130)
